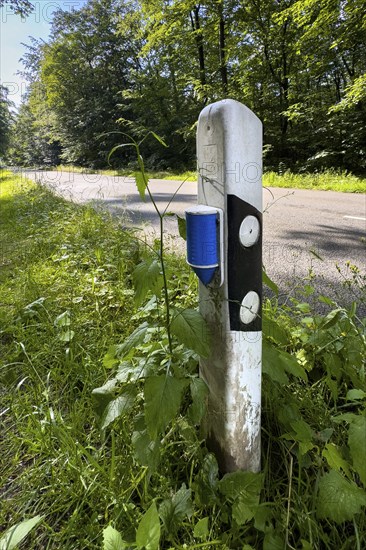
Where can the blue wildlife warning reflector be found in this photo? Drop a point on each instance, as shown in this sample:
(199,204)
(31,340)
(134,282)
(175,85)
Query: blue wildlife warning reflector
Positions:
(202,241)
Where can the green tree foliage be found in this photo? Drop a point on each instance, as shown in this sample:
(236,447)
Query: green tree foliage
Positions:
(33,140)
(116,65)
(332,46)
(84,68)
(22,7)
(5,120)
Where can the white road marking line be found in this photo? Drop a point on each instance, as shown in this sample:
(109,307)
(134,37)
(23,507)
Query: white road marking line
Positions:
(355,218)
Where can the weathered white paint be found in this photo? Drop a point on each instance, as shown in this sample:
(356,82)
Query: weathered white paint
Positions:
(229,152)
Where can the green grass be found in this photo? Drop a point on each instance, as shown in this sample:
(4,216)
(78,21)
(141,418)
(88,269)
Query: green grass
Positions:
(324,181)
(66,296)
(163,175)
(57,258)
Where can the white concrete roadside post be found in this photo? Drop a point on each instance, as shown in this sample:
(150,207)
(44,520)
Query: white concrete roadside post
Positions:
(229,151)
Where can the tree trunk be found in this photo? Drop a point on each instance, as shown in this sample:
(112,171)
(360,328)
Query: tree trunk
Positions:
(196,26)
(222,48)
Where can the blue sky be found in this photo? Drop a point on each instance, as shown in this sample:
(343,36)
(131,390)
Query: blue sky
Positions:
(14,30)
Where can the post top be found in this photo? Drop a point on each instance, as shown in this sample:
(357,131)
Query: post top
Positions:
(229,154)
(229,106)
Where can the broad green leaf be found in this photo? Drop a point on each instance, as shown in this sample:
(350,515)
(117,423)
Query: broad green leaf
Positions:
(199,393)
(173,510)
(346,417)
(338,499)
(354,395)
(288,412)
(334,458)
(132,341)
(191,329)
(147,277)
(163,396)
(272,364)
(30,310)
(325,435)
(103,395)
(355,352)
(14,536)
(272,541)
(148,531)
(303,307)
(271,329)
(263,517)
(243,490)
(326,300)
(110,359)
(303,430)
(241,484)
(107,389)
(357,445)
(333,364)
(141,183)
(238,483)
(200,530)
(117,407)
(276,363)
(149,306)
(63,320)
(182,227)
(242,511)
(182,503)
(36,303)
(267,281)
(66,336)
(112,539)
(130,373)
(303,434)
(332,318)
(147,452)
(292,366)
(333,386)
(207,481)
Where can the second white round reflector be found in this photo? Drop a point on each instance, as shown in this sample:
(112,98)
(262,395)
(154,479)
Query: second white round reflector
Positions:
(249,307)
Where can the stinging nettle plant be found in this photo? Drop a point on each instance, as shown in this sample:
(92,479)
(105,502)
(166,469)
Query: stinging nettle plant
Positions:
(156,366)
(155,370)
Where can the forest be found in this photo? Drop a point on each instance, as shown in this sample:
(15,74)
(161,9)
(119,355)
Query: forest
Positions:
(116,67)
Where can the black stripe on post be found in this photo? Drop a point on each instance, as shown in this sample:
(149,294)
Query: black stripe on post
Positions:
(244,265)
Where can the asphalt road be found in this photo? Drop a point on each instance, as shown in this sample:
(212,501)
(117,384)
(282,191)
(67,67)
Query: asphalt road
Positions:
(304,230)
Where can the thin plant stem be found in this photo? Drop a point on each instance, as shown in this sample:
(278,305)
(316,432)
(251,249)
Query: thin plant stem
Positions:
(161,224)
(113,459)
(358,544)
(166,297)
(162,262)
(289,504)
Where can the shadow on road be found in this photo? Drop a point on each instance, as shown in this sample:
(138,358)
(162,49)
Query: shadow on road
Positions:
(347,238)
